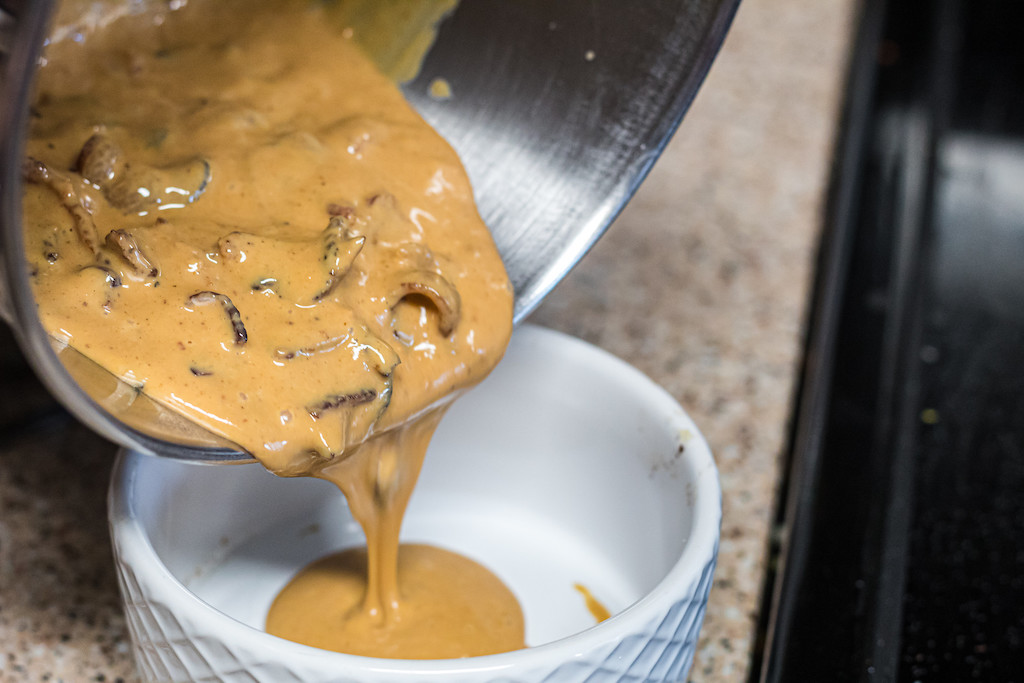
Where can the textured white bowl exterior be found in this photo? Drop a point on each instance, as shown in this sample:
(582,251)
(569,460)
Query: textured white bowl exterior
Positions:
(176,636)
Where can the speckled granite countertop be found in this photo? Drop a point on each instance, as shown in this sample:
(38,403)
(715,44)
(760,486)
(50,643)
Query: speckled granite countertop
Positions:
(702,283)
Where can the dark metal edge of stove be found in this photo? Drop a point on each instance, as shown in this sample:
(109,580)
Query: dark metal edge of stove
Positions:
(902,192)
(878,579)
(790,537)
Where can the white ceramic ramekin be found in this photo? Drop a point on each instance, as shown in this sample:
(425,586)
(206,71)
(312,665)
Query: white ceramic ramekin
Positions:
(565,466)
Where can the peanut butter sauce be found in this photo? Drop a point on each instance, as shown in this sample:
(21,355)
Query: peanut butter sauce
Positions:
(229,207)
(451,607)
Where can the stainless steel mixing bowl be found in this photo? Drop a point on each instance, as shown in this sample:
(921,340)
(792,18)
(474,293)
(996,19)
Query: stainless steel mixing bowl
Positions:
(559,110)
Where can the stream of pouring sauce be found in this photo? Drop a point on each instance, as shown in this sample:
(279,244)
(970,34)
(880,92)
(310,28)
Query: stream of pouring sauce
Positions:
(231,208)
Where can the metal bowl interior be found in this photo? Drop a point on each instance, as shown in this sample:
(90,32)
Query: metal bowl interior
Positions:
(558,111)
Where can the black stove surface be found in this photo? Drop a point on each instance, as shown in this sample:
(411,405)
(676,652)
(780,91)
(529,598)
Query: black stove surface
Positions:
(903,550)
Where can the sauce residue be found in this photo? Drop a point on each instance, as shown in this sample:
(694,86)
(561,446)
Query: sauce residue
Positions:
(231,209)
(594,606)
(440,89)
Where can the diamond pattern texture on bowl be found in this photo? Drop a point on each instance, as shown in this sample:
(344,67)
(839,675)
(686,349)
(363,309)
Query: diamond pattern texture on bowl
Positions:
(172,648)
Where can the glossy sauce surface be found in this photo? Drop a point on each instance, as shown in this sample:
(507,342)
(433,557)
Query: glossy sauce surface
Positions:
(294,253)
(229,207)
(452,607)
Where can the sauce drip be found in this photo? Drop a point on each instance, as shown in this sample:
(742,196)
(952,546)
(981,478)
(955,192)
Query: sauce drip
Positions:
(231,209)
(594,606)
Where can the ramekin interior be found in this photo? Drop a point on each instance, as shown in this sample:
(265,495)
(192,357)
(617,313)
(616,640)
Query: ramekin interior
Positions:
(564,445)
